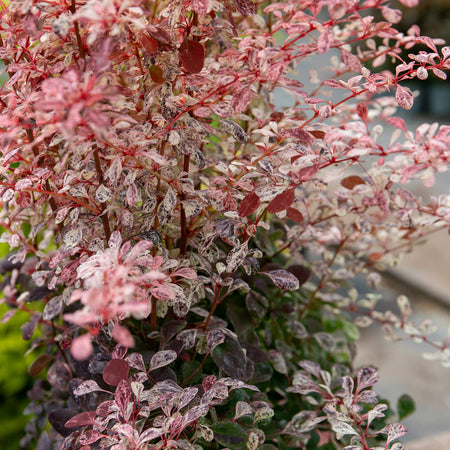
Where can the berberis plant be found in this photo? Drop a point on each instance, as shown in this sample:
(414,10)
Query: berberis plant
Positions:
(185,245)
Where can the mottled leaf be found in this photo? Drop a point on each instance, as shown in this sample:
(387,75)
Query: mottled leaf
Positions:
(162,358)
(283,280)
(367,376)
(404,97)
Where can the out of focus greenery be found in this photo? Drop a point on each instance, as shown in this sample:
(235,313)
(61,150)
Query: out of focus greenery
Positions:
(14,378)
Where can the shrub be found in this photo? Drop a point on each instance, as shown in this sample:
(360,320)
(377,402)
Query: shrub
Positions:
(187,246)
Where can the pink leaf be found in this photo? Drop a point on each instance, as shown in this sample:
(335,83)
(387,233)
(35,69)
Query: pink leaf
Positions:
(185,272)
(241,100)
(89,437)
(163,292)
(81,347)
(82,419)
(324,41)
(123,395)
(391,15)
(123,336)
(115,371)
(200,6)
(404,97)
(397,122)
(409,3)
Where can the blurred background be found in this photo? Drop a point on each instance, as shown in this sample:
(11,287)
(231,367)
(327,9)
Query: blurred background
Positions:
(423,276)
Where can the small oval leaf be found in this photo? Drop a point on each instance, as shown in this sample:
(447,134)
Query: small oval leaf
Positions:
(115,371)
(162,358)
(281,202)
(192,55)
(248,205)
(352,181)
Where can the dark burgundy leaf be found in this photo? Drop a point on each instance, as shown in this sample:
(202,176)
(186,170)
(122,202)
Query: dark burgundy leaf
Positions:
(82,419)
(39,364)
(352,181)
(295,215)
(318,134)
(302,273)
(281,202)
(115,371)
(248,205)
(58,420)
(150,44)
(192,55)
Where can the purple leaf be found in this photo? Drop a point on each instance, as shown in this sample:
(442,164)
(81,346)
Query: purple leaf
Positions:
(161,359)
(214,338)
(115,371)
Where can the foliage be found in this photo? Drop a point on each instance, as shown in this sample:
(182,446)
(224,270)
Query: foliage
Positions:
(185,246)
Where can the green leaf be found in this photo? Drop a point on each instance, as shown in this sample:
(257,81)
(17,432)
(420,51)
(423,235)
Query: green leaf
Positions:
(229,434)
(350,330)
(188,368)
(405,406)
